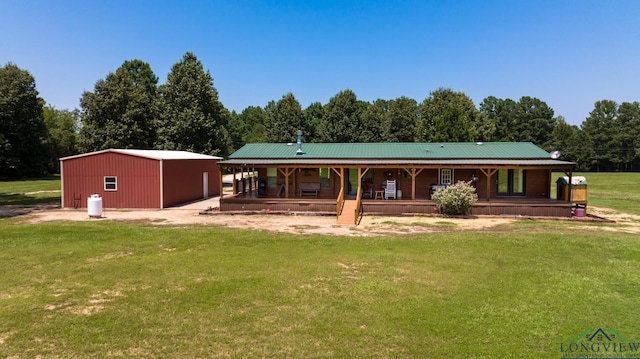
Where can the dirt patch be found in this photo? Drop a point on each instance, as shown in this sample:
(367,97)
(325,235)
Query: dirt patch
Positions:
(311,224)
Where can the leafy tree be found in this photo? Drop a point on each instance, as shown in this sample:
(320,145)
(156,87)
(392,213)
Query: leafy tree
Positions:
(402,117)
(501,114)
(627,136)
(22,129)
(191,116)
(283,119)
(62,126)
(447,116)
(535,121)
(341,121)
(374,121)
(599,129)
(529,119)
(120,112)
(247,127)
(312,118)
(565,138)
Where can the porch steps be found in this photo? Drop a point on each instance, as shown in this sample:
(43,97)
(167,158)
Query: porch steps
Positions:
(348,215)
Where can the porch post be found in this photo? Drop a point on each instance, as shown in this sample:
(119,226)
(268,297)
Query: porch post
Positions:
(339,174)
(413,173)
(489,172)
(342,180)
(233,182)
(286,172)
(570,186)
(221,185)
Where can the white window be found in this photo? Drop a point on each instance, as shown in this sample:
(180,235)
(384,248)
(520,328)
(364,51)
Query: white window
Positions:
(446,176)
(110,183)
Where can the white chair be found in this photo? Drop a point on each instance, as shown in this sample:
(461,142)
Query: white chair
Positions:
(390,190)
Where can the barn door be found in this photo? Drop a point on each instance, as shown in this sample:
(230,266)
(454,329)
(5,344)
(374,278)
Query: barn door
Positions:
(205,185)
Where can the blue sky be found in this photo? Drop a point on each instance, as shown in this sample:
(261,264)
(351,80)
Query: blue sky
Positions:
(569,54)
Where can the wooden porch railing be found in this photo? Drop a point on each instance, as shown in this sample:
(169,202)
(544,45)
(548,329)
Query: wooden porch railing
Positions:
(340,202)
(358,205)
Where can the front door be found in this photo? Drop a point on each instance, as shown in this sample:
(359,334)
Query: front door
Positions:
(511,182)
(352,181)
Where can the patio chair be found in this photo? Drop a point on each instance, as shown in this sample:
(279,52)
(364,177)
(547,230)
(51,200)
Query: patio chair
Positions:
(390,190)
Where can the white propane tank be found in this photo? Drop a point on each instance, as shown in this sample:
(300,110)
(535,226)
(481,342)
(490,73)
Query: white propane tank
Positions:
(94,205)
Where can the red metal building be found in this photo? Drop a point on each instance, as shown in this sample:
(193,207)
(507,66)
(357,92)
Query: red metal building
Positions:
(138,178)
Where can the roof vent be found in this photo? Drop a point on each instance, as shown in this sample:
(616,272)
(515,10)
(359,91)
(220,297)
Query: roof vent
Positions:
(299,151)
(479,143)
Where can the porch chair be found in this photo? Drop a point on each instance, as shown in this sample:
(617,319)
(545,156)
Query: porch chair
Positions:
(367,189)
(390,190)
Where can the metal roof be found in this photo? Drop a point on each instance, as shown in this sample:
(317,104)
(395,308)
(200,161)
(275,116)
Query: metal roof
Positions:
(414,153)
(152,154)
(384,162)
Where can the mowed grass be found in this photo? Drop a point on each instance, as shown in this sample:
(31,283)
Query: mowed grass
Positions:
(29,192)
(114,289)
(615,190)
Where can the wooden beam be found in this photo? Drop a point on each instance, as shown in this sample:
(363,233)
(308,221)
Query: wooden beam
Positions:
(413,172)
(489,172)
(286,172)
(233,182)
(221,185)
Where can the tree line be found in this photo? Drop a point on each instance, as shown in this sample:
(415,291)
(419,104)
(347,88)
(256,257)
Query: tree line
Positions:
(128,109)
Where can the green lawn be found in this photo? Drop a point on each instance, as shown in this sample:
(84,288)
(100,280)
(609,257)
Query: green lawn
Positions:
(619,191)
(28,192)
(108,289)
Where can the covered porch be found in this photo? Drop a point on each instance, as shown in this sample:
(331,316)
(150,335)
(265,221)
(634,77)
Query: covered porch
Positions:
(351,192)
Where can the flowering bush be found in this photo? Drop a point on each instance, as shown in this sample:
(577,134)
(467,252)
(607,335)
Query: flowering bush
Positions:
(455,199)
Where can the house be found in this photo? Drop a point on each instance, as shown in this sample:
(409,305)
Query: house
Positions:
(127,178)
(510,178)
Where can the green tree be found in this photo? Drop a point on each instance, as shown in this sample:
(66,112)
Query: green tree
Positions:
(120,112)
(374,121)
(23,152)
(312,118)
(565,138)
(501,114)
(191,116)
(283,119)
(535,121)
(447,116)
(62,128)
(599,130)
(341,122)
(529,119)
(627,135)
(402,117)
(247,127)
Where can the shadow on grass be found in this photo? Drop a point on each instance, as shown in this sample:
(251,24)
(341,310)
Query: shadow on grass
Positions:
(21,199)
(18,204)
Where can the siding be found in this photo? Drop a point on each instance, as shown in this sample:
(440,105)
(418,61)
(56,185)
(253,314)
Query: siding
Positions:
(138,181)
(183,180)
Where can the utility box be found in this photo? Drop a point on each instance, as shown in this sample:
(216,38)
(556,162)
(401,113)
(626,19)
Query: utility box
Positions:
(578,190)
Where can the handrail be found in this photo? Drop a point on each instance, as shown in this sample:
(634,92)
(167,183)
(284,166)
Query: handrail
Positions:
(340,202)
(358,203)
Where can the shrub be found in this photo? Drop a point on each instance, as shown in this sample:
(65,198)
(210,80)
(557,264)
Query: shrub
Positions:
(455,199)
